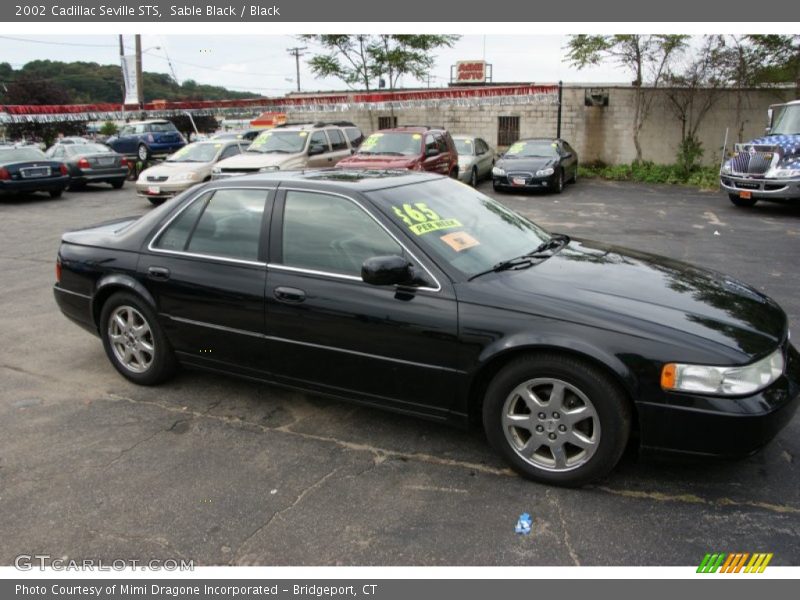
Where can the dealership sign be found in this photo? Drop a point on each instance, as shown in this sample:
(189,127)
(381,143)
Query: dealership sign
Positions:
(470,71)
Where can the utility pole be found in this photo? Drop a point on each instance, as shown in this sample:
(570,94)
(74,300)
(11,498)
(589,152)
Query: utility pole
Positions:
(297,52)
(139,81)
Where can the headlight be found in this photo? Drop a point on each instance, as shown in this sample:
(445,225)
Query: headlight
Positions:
(725,381)
(783,173)
(183,177)
(726,168)
(216,170)
(270,168)
(545,172)
(498,171)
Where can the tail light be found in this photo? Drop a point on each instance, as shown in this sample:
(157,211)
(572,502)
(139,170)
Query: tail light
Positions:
(63,168)
(4,174)
(83,163)
(58,270)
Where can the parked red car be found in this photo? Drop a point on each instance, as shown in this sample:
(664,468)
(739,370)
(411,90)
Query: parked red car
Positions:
(415,148)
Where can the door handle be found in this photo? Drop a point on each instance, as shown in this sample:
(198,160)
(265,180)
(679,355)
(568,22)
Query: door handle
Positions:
(159,273)
(289,294)
(330,158)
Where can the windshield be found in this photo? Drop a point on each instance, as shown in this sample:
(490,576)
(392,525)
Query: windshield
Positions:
(527,148)
(787,122)
(392,143)
(284,142)
(459,226)
(464,146)
(7,154)
(77,149)
(196,153)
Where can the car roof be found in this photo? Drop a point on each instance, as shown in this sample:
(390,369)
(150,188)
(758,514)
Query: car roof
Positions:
(147,122)
(540,139)
(412,129)
(337,179)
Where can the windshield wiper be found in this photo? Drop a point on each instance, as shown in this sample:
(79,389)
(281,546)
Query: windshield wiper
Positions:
(556,242)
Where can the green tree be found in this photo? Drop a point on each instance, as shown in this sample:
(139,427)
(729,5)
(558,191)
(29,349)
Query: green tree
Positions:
(399,55)
(109,128)
(646,57)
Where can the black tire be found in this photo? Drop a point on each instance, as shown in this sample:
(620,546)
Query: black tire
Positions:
(742,202)
(612,417)
(473,177)
(55,193)
(76,187)
(559,186)
(496,187)
(454,173)
(162,363)
(143,153)
(117,183)
(156,201)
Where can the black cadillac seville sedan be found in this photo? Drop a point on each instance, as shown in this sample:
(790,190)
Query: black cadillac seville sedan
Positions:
(418,294)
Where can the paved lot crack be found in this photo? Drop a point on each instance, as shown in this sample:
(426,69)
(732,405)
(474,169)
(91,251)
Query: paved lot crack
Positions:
(566,540)
(303,493)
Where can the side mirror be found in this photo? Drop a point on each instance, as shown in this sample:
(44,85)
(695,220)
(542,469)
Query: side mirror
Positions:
(567,155)
(313,150)
(390,270)
(767,130)
(431,152)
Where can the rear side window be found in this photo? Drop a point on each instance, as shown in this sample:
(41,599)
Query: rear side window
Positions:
(226,223)
(354,135)
(162,127)
(441,143)
(318,138)
(337,140)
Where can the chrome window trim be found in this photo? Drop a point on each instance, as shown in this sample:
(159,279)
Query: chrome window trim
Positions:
(309,344)
(280,266)
(241,261)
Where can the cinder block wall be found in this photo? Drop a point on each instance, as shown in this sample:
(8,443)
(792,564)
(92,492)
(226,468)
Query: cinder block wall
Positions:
(598,133)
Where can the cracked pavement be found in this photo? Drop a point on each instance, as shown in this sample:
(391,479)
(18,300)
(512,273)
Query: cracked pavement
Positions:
(225,471)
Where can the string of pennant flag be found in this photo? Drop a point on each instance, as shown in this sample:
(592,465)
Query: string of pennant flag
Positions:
(441,98)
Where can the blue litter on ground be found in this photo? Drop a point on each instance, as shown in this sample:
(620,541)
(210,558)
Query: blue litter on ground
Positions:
(523,524)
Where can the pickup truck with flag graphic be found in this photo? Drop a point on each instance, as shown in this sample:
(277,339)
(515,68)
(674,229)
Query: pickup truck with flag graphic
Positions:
(767,168)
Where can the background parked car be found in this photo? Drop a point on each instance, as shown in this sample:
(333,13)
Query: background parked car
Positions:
(189,166)
(144,139)
(73,139)
(91,163)
(286,148)
(27,169)
(475,159)
(247,134)
(416,148)
(536,163)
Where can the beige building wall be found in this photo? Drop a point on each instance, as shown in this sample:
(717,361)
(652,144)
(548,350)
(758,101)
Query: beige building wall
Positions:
(597,133)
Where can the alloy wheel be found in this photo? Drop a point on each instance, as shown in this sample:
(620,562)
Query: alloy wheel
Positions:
(131,339)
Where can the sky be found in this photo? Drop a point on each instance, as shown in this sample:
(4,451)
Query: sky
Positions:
(261,64)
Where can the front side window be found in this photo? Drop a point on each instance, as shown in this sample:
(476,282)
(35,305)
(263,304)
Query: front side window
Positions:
(225,223)
(318,138)
(331,234)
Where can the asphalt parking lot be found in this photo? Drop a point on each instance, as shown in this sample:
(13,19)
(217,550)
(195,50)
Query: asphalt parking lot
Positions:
(224,471)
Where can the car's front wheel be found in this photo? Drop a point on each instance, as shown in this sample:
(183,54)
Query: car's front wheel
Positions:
(559,184)
(473,177)
(134,341)
(56,193)
(117,183)
(557,419)
(743,202)
(143,152)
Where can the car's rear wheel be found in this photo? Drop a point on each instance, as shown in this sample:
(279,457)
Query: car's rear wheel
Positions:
(134,341)
(117,184)
(743,202)
(574,176)
(473,177)
(454,172)
(556,419)
(56,193)
(143,152)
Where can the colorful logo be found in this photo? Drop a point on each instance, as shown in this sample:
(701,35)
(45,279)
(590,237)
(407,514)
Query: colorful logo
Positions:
(735,563)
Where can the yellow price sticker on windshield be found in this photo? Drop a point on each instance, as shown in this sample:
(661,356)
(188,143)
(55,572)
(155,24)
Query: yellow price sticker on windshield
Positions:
(416,136)
(518,147)
(303,134)
(217,145)
(421,219)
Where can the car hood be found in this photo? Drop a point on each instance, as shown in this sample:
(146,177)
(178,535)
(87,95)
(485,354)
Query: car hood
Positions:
(256,160)
(532,164)
(378,161)
(788,147)
(641,294)
(173,168)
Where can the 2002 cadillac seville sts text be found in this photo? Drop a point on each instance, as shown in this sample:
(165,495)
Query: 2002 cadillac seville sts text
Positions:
(416,293)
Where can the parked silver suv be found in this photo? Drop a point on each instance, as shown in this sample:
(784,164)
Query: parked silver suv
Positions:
(287,148)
